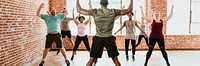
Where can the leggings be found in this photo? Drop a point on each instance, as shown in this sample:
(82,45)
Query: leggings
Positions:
(139,40)
(161,44)
(127,46)
(78,41)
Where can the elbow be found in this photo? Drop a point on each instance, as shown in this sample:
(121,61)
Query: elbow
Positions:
(79,11)
(130,10)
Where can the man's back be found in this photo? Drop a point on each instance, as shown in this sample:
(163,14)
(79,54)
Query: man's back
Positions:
(104,20)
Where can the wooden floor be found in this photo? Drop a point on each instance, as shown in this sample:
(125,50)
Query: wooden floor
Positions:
(177,58)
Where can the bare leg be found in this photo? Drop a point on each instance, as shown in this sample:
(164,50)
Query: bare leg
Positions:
(65,56)
(116,61)
(91,61)
(63,53)
(72,43)
(44,56)
(45,53)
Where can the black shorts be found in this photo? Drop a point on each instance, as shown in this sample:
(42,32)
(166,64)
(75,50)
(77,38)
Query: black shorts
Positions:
(53,38)
(99,43)
(66,33)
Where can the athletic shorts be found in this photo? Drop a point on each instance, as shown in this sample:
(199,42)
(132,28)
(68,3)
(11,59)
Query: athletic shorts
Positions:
(66,33)
(100,42)
(50,38)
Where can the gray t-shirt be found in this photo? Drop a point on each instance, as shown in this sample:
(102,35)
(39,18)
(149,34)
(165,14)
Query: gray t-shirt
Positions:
(104,20)
(65,24)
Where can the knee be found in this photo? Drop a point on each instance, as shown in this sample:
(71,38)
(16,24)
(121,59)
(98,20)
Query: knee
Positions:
(93,59)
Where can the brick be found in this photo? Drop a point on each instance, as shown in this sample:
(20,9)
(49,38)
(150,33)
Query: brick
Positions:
(15,20)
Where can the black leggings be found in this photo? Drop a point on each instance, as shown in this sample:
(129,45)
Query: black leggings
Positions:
(161,44)
(139,40)
(127,46)
(78,41)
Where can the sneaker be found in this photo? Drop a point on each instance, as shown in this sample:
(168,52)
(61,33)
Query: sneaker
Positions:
(72,58)
(41,63)
(133,57)
(67,62)
(127,58)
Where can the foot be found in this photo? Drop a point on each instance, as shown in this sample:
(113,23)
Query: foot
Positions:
(67,62)
(127,58)
(133,57)
(41,63)
(72,58)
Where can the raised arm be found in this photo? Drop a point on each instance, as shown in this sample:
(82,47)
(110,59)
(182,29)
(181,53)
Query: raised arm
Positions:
(88,21)
(81,10)
(39,9)
(170,15)
(119,16)
(90,5)
(120,29)
(66,13)
(74,18)
(126,11)
(141,30)
(143,16)
(135,18)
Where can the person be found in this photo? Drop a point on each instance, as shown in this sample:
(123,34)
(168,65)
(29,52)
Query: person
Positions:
(156,34)
(65,30)
(130,34)
(82,36)
(104,21)
(143,26)
(53,22)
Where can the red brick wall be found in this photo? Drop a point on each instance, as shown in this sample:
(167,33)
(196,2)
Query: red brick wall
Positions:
(22,35)
(58,4)
(172,42)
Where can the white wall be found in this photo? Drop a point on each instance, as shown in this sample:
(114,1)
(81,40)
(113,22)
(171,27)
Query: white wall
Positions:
(179,23)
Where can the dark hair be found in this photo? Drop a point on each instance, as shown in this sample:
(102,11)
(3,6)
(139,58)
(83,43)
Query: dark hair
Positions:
(81,17)
(104,2)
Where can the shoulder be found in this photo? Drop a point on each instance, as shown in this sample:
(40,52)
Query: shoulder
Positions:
(92,11)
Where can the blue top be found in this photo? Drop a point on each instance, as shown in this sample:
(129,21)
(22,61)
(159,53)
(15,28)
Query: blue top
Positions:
(143,28)
(53,22)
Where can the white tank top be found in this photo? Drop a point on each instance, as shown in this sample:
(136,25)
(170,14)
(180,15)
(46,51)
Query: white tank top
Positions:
(81,29)
(130,29)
